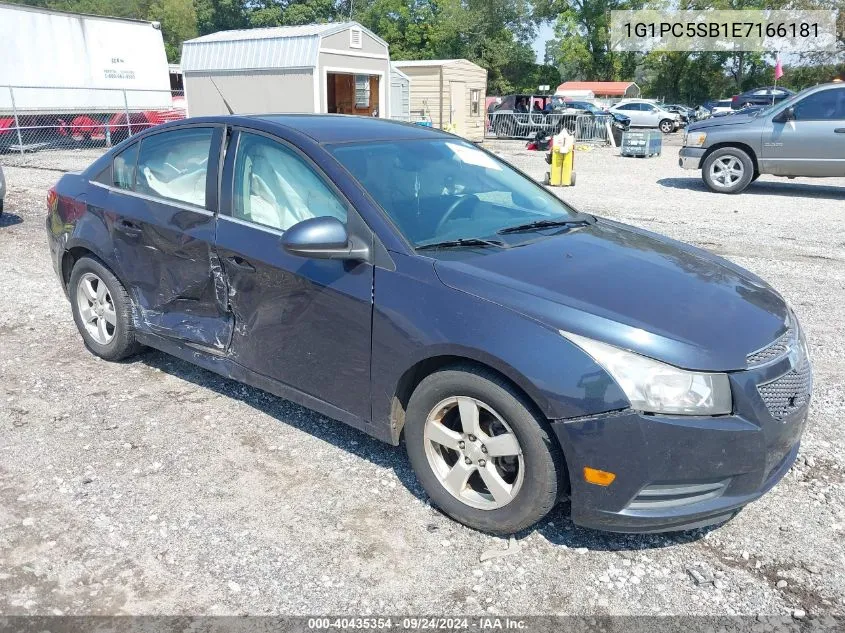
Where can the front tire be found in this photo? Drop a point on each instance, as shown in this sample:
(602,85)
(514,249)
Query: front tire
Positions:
(484,458)
(102,310)
(728,170)
(666,126)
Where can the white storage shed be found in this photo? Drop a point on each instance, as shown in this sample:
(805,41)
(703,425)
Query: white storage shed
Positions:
(325,68)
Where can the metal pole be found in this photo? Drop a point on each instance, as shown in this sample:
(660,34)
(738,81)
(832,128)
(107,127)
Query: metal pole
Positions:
(126,107)
(17,123)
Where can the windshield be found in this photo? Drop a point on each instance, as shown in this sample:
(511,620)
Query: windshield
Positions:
(446,189)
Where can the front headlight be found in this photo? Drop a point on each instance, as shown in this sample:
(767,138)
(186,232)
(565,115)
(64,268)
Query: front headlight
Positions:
(695,139)
(657,387)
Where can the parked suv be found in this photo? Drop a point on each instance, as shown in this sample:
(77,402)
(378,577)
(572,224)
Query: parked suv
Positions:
(802,136)
(646,114)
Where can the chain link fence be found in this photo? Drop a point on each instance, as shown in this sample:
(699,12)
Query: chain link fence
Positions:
(66,128)
(587,128)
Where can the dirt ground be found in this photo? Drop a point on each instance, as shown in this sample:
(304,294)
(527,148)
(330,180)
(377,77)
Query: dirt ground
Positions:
(154,487)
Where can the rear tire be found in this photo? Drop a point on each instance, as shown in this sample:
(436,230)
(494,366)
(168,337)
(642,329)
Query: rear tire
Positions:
(500,494)
(727,170)
(102,310)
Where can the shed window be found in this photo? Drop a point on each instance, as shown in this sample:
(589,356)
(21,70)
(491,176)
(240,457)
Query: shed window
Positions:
(356,38)
(474,101)
(362,91)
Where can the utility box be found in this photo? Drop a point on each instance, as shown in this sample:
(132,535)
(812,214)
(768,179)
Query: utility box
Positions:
(642,143)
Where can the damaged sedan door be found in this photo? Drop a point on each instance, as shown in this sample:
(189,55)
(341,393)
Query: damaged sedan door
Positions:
(163,202)
(302,322)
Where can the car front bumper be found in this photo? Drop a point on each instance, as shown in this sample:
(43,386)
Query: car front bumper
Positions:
(690,157)
(680,472)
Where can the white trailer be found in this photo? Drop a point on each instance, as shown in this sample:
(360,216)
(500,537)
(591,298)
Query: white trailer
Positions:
(56,62)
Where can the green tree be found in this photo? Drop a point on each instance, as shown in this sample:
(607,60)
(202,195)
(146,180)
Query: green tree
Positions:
(582,49)
(220,15)
(178,23)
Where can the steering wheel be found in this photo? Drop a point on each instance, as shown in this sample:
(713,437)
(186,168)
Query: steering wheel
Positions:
(457,204)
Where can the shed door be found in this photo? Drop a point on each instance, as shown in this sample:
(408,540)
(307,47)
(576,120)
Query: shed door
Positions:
(399,106)
(457,105)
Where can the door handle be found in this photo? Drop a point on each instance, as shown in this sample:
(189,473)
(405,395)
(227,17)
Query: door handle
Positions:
(839,130)
(240,263)
(128,228)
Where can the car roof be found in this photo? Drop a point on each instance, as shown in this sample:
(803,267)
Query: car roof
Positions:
(322,128)
(341,128)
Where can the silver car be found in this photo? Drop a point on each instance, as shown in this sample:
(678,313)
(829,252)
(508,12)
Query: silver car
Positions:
(646,114)
(800,136)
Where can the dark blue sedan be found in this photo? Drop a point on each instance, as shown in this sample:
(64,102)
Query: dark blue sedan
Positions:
(412,285)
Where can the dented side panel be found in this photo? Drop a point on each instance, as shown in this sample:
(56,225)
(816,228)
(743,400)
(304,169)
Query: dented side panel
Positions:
(303,322)
(167,257)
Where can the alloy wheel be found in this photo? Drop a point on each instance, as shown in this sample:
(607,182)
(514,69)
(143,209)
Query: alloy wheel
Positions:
(473,453)
(96,308)
(726,171)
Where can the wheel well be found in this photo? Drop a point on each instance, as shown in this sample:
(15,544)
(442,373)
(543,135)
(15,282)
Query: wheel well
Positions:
(745,148)
(418,372)
(71,256)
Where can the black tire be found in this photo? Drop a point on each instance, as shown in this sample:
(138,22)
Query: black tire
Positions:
(666,126)
(723,154)
(544,475)
(123,343)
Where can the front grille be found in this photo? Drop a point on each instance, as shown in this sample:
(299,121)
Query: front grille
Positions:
(777,348)
(671,495)
(789,392)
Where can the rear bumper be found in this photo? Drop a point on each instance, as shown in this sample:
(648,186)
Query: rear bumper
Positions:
(673,473)
(690,157)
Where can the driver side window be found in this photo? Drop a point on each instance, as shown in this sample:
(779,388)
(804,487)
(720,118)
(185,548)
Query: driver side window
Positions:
(275,187)
(173,165)
(826,105)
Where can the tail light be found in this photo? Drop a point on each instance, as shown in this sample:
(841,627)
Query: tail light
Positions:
(52,200)
(735,99)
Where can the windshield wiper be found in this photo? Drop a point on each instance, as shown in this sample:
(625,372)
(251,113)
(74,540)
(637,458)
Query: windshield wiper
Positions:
(462,241)
(540,224)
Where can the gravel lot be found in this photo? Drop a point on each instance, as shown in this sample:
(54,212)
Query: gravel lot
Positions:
(153,487)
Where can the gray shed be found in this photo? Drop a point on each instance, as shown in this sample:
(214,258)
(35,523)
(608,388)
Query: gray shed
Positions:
(338,68)
(400,95)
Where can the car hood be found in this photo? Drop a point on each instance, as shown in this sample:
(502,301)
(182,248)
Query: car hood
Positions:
(728,119)
(630,288)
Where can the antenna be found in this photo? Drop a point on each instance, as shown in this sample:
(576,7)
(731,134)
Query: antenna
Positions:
(225,103)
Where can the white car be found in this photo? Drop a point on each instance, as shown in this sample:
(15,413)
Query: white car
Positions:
(647,114)
(722,105)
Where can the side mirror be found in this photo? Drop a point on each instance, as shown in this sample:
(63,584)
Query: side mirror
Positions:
(323,238)
(787,114)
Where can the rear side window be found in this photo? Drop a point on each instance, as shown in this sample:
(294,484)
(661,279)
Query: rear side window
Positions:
(123,168)
(827,105)
(173,165)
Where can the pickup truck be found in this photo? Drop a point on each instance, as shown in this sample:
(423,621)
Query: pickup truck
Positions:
(803,135)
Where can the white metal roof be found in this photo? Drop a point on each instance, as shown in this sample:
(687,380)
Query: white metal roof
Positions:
(409,63)
(254,49)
